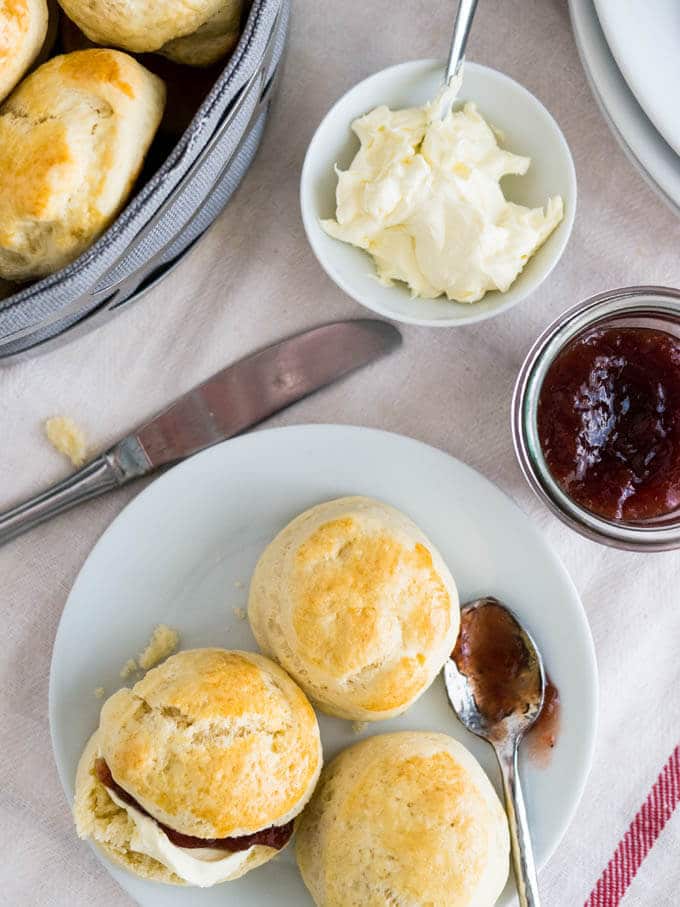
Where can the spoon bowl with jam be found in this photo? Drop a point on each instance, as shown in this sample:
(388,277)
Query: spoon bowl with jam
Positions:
(496,684)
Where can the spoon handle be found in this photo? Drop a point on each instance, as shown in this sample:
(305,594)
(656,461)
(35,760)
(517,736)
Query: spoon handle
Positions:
(461,30)
(520,837)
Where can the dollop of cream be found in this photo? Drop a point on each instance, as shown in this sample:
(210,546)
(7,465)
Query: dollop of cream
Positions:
(201,866)
(423,197)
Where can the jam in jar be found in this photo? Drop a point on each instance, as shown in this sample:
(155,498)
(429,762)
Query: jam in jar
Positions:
(608,422)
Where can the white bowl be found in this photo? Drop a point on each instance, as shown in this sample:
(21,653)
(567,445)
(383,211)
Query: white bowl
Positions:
(528,129)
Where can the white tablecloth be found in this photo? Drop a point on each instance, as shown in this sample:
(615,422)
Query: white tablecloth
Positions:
(252,280)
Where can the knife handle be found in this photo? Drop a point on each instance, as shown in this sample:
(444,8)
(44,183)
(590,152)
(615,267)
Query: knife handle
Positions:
(112,469)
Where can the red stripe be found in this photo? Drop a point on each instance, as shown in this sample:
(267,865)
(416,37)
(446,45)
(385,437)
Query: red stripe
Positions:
(640,837)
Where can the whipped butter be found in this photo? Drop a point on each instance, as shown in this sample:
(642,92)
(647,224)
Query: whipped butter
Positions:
(200,866)
(423,197)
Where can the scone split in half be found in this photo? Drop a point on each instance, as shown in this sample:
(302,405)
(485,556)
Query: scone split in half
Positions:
(407,818)
(357,605)
(195,774)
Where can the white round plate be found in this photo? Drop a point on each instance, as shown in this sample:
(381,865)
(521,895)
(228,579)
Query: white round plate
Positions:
(644,146)
(527,129)
(645,41)
(182,554)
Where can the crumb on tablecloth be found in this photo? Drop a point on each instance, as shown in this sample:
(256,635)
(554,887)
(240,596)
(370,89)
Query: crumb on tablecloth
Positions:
(68,438)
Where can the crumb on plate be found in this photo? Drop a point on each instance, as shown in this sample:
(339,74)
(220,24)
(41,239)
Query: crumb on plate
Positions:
(99,692)
(240,613)
(128,668)
(164,641)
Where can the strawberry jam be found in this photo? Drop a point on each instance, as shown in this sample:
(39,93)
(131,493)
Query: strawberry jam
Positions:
(609,422)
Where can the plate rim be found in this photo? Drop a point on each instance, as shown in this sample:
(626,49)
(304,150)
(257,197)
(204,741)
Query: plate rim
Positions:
(584,22)
(592,723)
(644,95)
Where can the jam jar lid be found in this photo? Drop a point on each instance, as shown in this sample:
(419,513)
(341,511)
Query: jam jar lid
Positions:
(650,307)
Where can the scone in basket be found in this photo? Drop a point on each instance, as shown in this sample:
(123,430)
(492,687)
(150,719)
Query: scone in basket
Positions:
(171,210)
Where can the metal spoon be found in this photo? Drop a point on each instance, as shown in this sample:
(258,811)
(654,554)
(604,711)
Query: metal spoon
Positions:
(474,698)
(461,32)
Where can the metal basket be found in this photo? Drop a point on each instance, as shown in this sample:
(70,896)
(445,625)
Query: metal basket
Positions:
(171,211)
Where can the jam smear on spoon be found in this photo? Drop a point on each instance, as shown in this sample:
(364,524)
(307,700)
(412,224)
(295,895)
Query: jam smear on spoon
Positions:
(490,650)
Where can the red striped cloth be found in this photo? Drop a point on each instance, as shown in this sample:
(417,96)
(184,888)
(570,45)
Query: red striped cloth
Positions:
(640,837)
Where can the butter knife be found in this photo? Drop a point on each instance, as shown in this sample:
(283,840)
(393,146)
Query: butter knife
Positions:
(228,403)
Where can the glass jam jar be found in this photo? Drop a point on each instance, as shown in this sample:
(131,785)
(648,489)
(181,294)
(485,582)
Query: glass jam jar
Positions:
(639,315)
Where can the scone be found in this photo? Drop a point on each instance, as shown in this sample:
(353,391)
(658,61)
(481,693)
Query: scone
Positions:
(187,93)
(357,605)
(406,818)
(73,138)
(195,774)
(23,28)
(139,26)
(211,41)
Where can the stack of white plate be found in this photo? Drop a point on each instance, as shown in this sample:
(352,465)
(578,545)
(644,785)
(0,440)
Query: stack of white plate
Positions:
(631,54)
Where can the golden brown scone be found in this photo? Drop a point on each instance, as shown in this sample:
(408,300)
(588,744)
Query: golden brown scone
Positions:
(186,94)
(23,28)
(214,743)
(138,25)
(407,818)
(211,41)
(72,141)
(357,605)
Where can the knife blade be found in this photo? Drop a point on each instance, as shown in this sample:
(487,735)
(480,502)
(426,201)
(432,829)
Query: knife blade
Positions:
(231,401)
(255,388)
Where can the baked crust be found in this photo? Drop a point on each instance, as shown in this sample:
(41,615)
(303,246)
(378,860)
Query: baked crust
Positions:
(214,743)
(214,39)
(138,25)
(73,137)
(23,29)
(357,605)
(405,818)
